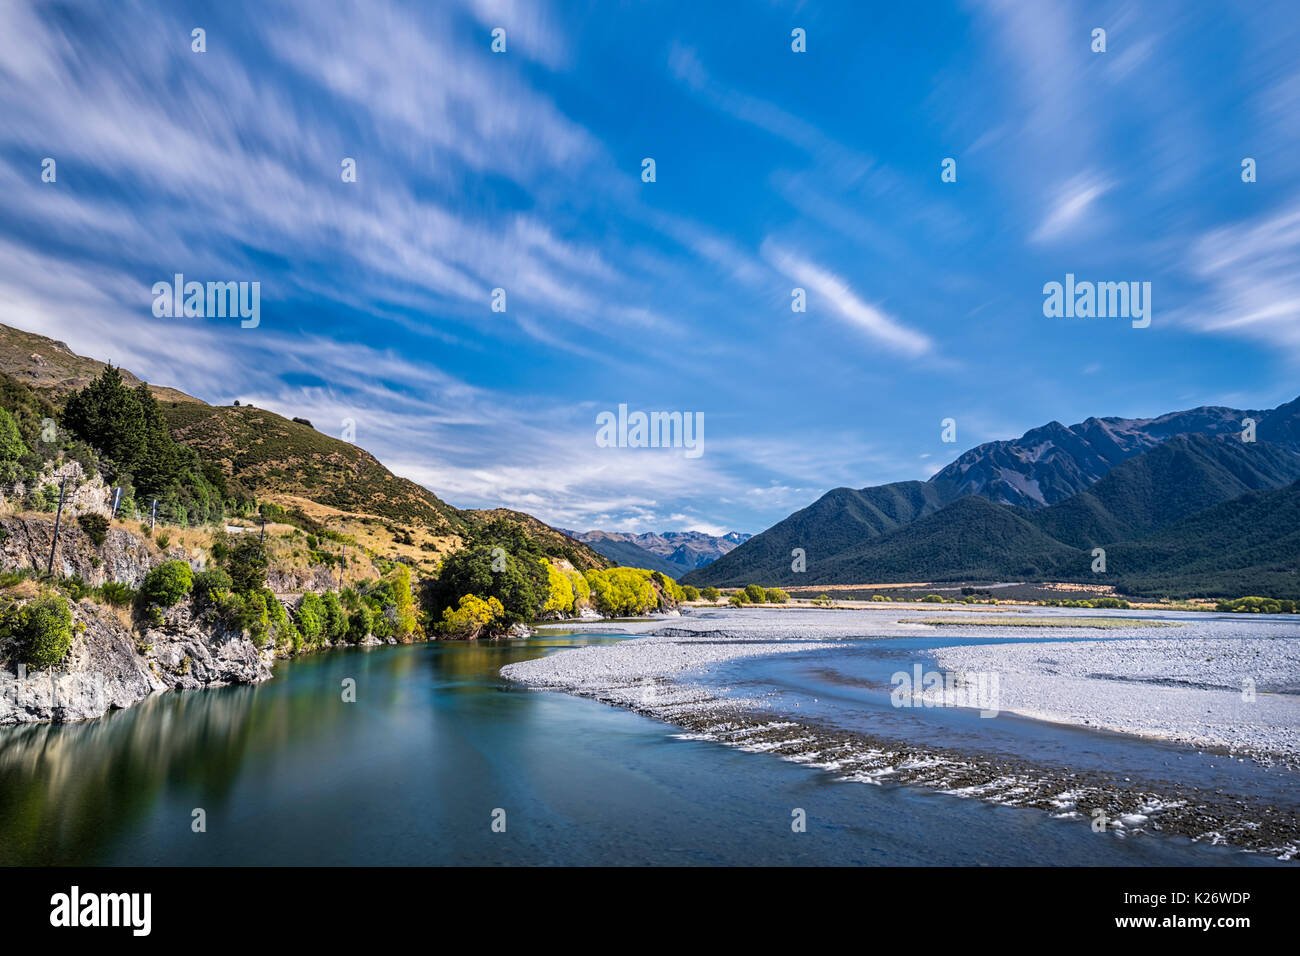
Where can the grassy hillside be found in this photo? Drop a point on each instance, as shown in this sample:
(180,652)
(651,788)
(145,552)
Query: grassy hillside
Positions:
(320,481)
(273,456)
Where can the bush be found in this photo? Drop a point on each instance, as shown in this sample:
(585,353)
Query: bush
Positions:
(690,593)
(210,587)
(167,583)
(755,594)
(41,630)
(95,526)
(777,596)
(246,563)
(711,594)
(116,593)
(471,618)
(311,618)
(336,622)
(360,624)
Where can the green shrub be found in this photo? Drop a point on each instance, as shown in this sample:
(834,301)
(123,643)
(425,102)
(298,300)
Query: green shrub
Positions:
(167,583)
(690,593)
(95,526)
(210,586)
(710,594)
(311,618)
(246,563)
(41,630)
(360,624)
(755,594)
(116,593)
(336,621)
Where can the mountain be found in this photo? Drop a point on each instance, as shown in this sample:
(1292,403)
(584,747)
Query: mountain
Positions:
(1184,475)
(1051,463)
(319,478)
(671,552)
(1249,545)
(973,538)
(1149,473)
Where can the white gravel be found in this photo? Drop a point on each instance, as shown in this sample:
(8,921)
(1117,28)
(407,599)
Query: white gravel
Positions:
(1182,683)
(1186,687)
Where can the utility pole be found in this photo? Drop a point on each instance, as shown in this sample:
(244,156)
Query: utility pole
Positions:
(58,518)
(117,500)
(153,515)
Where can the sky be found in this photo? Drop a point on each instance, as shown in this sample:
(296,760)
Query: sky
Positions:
(774,169)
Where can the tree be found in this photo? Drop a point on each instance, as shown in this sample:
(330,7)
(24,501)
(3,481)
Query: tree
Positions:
(621,592)
(41,629)
(246,562)
(691,593)
(490,571)
(167,583)
(472,617)
(755,594)
(360,623)
(711,594)
(11,440)
(581,590)
(108,416)
(559,592)
(336,622)
(776,596)
(311,618)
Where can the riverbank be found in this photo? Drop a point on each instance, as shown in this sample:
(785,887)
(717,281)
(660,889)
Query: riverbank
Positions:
(692,673)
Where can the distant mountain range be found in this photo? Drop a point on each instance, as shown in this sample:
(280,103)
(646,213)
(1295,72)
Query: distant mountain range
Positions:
(673,553)
(1156,494)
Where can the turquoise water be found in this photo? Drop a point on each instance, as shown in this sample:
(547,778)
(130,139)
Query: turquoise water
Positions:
(411,773)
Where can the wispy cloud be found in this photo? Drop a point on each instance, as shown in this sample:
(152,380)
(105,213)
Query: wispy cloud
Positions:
(826,287)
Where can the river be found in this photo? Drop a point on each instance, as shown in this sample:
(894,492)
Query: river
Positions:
(437,746)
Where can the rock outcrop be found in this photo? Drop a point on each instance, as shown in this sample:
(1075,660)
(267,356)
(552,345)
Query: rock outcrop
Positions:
(109,666)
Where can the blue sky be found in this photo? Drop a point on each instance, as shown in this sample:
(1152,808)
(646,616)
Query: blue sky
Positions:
(775,169)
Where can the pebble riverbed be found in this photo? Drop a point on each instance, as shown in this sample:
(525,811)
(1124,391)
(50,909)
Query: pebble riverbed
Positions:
(1185,678)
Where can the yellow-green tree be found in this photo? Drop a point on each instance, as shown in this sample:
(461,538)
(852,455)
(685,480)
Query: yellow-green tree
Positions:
(559,591)
(471,618)
(401,613)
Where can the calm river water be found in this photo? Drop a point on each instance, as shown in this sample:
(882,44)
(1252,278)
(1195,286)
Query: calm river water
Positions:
(414,771)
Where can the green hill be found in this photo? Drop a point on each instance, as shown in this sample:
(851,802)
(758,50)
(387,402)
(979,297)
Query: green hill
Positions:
(1249,545)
